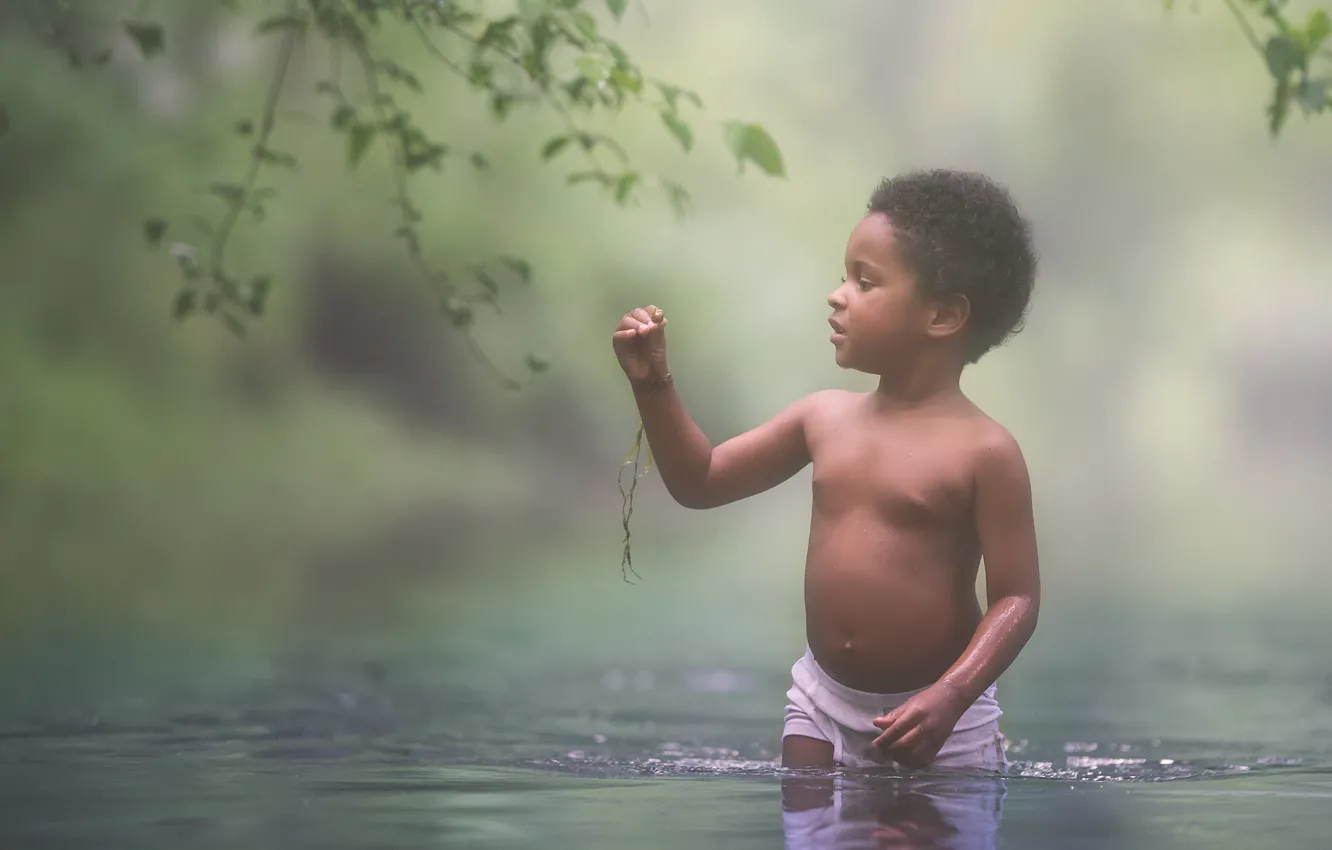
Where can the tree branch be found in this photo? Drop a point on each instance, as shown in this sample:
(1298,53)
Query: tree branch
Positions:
(1245,26)
(438,280)
(267,123)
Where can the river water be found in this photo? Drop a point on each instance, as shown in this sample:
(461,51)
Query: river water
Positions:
(649,717)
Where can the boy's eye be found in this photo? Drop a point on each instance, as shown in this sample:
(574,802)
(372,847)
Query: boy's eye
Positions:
(863,284)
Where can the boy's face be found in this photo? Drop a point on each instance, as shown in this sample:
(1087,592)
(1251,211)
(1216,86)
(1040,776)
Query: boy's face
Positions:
(878,314)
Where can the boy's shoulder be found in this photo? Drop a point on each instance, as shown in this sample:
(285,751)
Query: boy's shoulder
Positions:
(822,404)
(982,431)
(972,431)
(989,444)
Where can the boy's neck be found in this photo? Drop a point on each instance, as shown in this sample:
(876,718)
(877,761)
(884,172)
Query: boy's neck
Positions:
(923,380)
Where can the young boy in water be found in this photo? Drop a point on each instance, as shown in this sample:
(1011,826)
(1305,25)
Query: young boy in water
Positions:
(913,485)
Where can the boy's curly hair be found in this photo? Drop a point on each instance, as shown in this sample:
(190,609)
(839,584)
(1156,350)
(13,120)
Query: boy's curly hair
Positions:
(961,234)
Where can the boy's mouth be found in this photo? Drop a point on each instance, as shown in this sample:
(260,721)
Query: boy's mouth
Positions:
(839,330)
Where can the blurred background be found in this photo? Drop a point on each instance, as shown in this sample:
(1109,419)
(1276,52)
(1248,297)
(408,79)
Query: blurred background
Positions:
(347,498)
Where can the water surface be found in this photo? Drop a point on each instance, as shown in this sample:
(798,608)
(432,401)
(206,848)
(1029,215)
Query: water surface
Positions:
(362,754)
(551,708)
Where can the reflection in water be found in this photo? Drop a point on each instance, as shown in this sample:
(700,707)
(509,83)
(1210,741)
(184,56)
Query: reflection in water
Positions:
(945,811)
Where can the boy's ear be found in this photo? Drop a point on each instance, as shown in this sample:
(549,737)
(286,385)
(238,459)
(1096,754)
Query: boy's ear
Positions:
(949,316)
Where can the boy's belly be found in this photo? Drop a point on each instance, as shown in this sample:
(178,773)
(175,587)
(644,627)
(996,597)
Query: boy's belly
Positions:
(887,615)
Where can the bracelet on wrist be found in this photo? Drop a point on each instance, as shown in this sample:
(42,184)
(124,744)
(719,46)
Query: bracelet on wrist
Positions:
(654,385)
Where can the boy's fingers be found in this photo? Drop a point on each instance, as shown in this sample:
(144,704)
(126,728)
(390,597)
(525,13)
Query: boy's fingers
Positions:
(907,744)
(892,731)
(887,720)
(888,738)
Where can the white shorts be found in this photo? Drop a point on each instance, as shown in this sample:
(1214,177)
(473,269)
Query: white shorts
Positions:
(822,708)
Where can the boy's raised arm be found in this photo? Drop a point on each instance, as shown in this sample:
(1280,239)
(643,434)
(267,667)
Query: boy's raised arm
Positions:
(696,474)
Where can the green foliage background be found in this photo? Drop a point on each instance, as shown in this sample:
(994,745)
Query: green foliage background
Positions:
(348,477)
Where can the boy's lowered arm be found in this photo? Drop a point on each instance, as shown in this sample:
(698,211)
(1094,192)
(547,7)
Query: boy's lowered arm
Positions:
(1007,533)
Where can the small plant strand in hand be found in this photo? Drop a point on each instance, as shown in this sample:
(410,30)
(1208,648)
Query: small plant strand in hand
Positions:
(632,462)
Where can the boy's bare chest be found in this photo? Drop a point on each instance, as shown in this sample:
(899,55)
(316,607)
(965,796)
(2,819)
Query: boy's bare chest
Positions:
(903,475)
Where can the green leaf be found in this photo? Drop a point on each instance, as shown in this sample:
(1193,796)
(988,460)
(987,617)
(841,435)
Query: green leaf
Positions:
(232,193)
(278,158)
(233,324)
(679,129)
(595,69)
(150,38)
(487,282)
(626,80)
(4,120)
(259,288)
(624,186)
(1280,106)
(498,33)
(459,311)
(358,142)
(1312,94)
(553,147)
(751,142)
(1318,28)
(343,117)
(672,94)
(617,8)
(1284,55)
(587,25)
(588,177)
(679,197)
(501,104)
(187,300)
(591,140)
(622,59)
(153,231)
(536,363)
(280,22)
(520,268)
(400,74)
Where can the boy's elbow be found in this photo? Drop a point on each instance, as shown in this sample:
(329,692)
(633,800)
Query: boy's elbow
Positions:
(696,492)
(694,500)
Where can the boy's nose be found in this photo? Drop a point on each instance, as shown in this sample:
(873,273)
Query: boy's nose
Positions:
(835,299)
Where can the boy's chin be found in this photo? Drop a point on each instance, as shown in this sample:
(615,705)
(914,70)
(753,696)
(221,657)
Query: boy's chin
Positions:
(850,364)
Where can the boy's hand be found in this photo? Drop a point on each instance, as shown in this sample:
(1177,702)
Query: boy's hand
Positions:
(640,344)
(915,731)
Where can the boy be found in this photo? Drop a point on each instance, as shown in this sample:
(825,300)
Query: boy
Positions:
(913,485)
